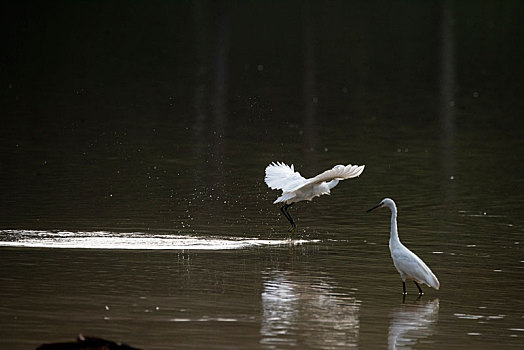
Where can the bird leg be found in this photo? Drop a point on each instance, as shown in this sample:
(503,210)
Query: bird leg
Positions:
(404,288)
(419,289)
(284,211)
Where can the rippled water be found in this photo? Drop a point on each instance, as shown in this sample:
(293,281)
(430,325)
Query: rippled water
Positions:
(133,203)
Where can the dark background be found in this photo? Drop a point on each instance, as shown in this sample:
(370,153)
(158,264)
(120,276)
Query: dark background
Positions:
(134,111)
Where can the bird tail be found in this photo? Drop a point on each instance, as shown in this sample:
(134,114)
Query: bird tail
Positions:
(432,281)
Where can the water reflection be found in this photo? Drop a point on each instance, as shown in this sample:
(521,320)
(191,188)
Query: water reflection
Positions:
(302,312)
(412,322)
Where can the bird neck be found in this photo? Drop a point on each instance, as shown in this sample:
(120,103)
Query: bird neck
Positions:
(332,183)
(393,238)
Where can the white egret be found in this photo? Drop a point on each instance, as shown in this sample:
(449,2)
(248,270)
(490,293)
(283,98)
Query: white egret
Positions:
(407,263)
(295,188)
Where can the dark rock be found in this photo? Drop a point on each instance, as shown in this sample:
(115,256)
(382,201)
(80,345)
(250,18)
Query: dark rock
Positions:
(87,343)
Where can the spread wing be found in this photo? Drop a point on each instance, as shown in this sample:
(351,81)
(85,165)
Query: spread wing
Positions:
(280,176)
(338,172)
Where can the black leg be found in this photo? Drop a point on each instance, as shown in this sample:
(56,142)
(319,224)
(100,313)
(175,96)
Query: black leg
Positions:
(404,288)
(289,215)
(419,289)
(284,211)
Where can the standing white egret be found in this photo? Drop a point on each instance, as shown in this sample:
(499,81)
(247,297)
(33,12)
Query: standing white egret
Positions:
(407,263)
(295,188)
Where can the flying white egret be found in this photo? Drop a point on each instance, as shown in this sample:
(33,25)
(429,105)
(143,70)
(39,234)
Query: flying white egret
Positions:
(407,263)
(295,188)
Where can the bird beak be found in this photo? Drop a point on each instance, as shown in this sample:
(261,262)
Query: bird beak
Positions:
(375,207)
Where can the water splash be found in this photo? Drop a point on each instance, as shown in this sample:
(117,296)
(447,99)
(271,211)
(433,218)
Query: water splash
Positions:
(130,240)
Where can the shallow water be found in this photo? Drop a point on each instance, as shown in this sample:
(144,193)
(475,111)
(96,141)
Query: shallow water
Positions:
(133,204)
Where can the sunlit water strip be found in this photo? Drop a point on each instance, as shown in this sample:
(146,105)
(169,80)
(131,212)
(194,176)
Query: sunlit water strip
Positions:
(130,240)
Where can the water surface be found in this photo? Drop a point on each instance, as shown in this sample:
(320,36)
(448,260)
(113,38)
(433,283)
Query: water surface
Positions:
(133,144)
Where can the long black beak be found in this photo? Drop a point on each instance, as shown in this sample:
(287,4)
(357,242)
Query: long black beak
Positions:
(375,207)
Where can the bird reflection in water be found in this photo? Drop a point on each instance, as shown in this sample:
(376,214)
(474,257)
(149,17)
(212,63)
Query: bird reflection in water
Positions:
(299,311)
(412,322)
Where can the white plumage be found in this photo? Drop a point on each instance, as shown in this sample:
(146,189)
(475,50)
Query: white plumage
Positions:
(407,263)
(296,188)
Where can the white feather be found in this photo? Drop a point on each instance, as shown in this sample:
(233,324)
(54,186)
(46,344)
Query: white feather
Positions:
(295,188)
(407,263)
(280,176)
